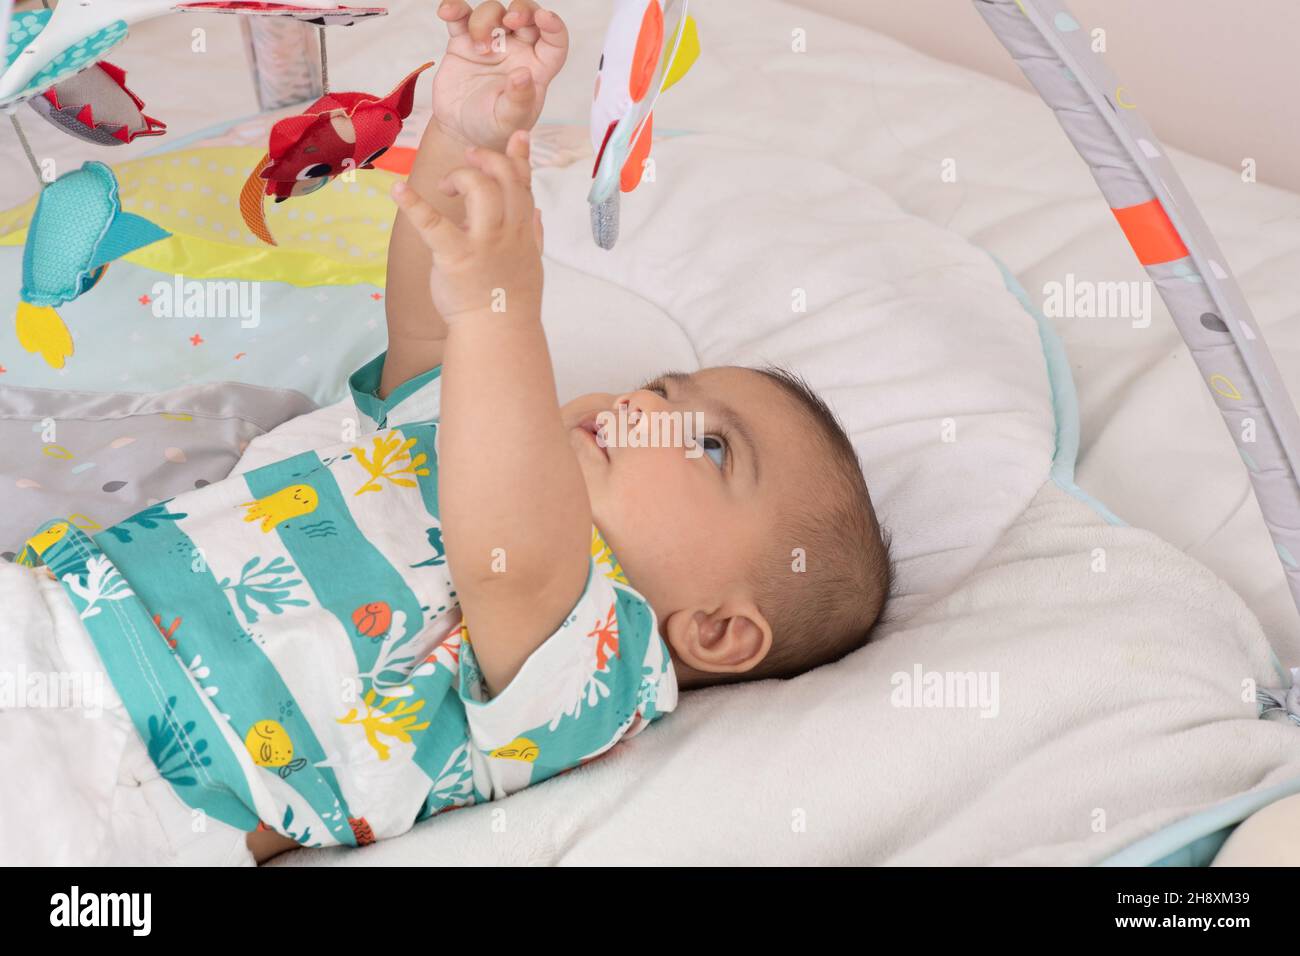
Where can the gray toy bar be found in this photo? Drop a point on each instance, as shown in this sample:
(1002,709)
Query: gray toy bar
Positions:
(1175,246)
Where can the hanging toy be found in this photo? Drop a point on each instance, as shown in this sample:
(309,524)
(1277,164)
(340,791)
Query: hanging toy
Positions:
(636,65)
(95,105)
(338,133)
(6,10)
(320,14)
(78,228)
(48,46)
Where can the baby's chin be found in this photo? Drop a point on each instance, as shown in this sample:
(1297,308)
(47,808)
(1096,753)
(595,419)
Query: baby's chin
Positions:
(592,468)
(592,460)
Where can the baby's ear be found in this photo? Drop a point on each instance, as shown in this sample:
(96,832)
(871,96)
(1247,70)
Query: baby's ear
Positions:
(731,639)
(748,636)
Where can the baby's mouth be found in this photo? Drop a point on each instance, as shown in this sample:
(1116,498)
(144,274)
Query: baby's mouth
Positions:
(591,425)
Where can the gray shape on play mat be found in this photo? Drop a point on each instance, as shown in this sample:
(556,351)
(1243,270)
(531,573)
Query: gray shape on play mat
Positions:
(114,453)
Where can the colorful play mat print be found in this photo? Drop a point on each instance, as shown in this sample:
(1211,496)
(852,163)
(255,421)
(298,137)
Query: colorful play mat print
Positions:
(212,303)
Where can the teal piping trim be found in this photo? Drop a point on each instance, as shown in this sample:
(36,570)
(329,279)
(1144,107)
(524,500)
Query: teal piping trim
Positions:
(1065,400)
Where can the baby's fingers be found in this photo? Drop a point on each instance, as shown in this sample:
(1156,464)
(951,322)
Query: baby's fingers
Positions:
(484,205)
(518,148)
(512,167)
(483,24)
(514,189)
(519,18)
(515,107)
(456,14)
(438,233)
(553,45)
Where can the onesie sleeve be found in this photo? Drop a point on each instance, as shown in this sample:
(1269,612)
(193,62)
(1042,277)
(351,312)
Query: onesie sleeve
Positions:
(603,676)
(415,401)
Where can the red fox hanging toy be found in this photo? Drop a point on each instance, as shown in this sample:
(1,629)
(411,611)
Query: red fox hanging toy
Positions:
(338,133)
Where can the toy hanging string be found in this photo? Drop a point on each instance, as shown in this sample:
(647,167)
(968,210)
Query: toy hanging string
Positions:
(324,63)
(27,148)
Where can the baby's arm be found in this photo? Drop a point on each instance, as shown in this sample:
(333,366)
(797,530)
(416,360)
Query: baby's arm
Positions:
(491,82)
(416,331)
(515,516)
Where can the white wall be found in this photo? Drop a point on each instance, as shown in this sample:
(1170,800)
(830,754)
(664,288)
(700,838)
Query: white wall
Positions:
(1218,78)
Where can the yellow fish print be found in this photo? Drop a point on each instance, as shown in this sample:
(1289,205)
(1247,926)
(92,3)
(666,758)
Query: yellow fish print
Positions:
(521,748)
(291,502)
(270,746)
(42,542)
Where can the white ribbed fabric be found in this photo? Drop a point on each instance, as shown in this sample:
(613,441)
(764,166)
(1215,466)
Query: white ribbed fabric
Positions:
(284,55)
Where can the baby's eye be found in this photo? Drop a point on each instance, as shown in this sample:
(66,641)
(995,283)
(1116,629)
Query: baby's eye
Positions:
(712,444)
(656,388)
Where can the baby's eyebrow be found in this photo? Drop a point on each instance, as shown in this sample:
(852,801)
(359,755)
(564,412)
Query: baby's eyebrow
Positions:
(677,378)
(728,415)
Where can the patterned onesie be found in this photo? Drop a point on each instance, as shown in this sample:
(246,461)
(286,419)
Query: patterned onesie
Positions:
(290,650)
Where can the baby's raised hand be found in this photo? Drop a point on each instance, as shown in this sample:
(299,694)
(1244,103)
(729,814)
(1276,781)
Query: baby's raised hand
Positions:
(493,263)
(493,78)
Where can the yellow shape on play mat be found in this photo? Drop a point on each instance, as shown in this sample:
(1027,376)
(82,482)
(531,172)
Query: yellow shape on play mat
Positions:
(337,235)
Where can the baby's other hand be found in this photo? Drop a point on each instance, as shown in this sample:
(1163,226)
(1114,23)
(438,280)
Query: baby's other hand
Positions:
(494,262)
(493,78)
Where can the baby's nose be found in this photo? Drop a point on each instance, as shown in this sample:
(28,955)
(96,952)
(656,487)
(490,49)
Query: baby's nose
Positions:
(636,403)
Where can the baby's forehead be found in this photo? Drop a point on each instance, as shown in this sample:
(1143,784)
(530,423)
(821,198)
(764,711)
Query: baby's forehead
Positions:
(754,396)
(740,386)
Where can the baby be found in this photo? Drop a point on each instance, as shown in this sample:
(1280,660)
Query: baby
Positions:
(289,645)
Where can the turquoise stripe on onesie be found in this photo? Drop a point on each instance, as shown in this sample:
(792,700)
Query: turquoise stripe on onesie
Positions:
(186,738)
(171,575)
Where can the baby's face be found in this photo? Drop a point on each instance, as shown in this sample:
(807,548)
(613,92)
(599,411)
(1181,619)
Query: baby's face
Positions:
(686,522)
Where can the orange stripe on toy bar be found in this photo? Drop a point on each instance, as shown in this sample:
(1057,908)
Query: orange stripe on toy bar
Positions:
(1150,233)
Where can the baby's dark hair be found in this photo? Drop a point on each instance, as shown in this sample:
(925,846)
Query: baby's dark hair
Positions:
(832,605)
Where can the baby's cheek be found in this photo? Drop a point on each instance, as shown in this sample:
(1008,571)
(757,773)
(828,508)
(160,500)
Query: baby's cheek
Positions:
(671,513)
(650,492)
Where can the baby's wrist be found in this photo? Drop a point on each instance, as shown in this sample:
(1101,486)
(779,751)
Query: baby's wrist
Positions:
(453,141)
(407,357)
(449,136)
(521,308)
